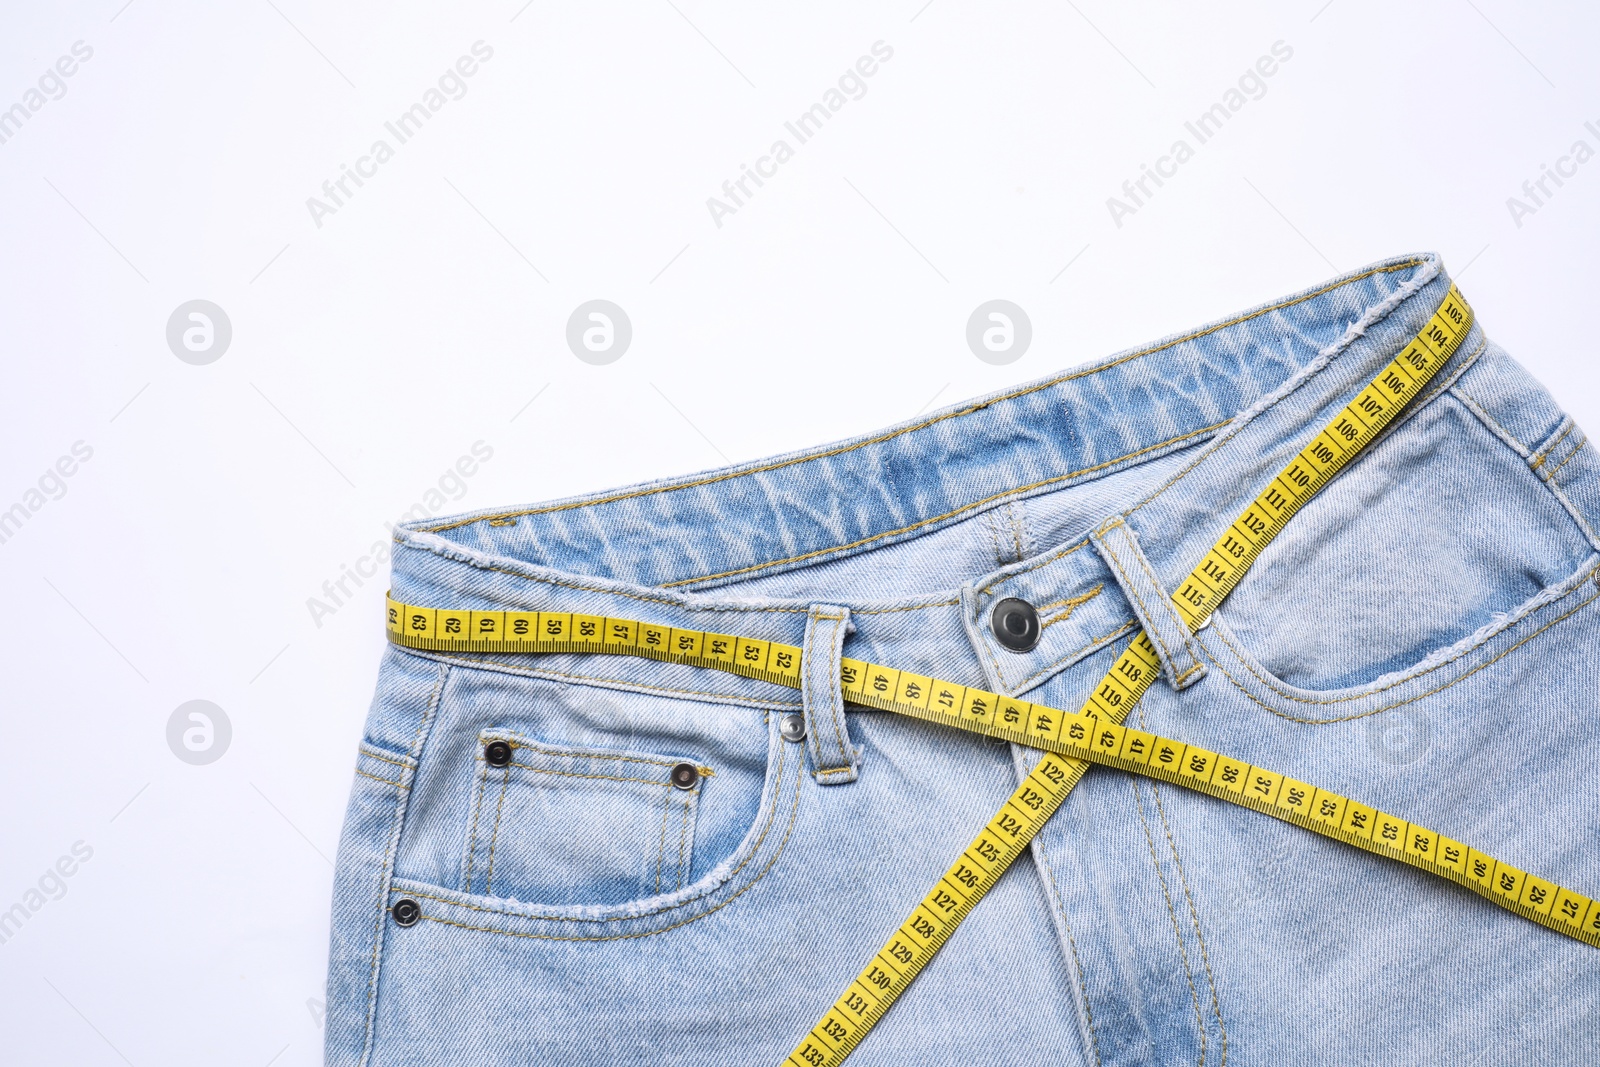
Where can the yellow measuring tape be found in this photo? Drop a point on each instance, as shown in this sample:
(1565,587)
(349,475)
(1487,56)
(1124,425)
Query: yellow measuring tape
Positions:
(1072,740)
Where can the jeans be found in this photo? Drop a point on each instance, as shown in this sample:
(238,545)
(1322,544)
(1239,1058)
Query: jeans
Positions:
(1423,637)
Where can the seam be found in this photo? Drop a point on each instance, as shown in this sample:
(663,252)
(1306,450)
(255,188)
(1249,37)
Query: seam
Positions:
(1152,630)
(1438,387)
(986,649)
(994,538)
(650,599)
(385,877)
(516,741)
(661,850)
(1177,931)
(782,846)
(1019,507)
(1060,553)
(1016,537)
(934,420)
(813,742)
(366,751)
(1083,988)
(494,839)
(663,600)
(568,583)
(1068,606)
(771,815)
(976,504)
(1194,915)
(550,675)
(909,607)
(1537,460)
(1517,446)
(472,832)
(1489,421)
(574,774)
(385,781)
(1073,601)
(1399,703)
(433,706)
(1578,517)
(1550,475)
(683,840)
(1180,679)
(1056,665)
(1007,526)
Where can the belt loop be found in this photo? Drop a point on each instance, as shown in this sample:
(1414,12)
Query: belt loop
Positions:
(1180,661)
(834,760)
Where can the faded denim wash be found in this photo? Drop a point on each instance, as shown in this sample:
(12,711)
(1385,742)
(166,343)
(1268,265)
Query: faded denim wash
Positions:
(1424,637)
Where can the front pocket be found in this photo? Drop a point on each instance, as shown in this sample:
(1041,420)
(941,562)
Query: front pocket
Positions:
(1438,531)
(562,825)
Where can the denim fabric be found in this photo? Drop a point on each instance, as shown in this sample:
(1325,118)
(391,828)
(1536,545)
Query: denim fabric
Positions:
(1423,637)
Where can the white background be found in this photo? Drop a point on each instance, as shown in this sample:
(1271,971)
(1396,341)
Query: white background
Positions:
(371,352)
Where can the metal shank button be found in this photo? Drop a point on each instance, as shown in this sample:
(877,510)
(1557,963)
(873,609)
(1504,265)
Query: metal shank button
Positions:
(793,727)
(685,775)
(1015,624)
(497,753)
(406,912)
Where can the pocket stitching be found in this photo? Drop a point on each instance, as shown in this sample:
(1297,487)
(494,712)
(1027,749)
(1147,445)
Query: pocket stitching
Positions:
(1550,475)
(380,778)
(517,741)
(575,774)
(1538,459)
(794,811)
(1244,660)
(1451,390)
(383,757)
(770,813)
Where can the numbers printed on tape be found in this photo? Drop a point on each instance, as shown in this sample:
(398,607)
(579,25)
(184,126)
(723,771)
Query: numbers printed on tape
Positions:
(1072,740)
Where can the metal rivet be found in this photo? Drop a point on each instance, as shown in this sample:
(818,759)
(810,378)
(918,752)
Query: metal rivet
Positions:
(497,753)
(793,727)
(406,912)
(1015,624)
(685,775)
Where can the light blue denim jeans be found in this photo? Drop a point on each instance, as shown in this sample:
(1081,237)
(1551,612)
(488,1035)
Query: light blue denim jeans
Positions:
(1423,637)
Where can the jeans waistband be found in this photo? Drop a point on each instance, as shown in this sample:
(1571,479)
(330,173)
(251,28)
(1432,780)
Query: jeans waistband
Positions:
(1238,397)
